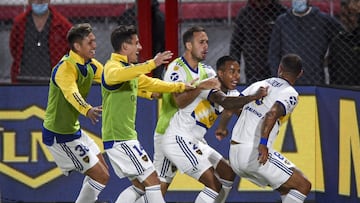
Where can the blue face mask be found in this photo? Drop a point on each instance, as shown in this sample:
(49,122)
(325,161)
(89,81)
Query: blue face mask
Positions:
(299,6)
(39,9)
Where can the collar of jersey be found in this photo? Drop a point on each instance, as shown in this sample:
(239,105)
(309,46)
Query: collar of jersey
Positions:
(77,58)
(119,57)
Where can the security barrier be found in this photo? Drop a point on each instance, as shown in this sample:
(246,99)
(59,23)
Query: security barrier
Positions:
(321,138)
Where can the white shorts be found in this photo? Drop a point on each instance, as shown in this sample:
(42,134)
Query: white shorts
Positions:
(186,154)
(164,167)
(79,154)
(214,156)
(244,161)
(129,159)
(167,170)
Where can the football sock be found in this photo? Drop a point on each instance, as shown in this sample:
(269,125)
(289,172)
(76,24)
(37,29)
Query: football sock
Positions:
(153,194)
(130,194)
(225,190)
(89,191)
(207,195)
(293,196)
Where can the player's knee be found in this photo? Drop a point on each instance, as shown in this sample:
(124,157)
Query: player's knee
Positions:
(225,171)
(152,180)
(104,178)
(307,186)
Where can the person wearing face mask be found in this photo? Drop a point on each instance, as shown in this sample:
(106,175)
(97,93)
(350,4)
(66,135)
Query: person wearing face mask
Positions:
(306,31)
(34,33)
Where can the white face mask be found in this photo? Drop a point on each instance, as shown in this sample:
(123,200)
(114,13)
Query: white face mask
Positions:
(39,9)
(299,6)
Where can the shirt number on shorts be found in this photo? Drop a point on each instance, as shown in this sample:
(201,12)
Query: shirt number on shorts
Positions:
(139,149)
(279,155)
(82,149)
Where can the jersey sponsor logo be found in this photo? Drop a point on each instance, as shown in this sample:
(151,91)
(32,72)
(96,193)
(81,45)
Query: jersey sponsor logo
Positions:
(252,110)
(174,76)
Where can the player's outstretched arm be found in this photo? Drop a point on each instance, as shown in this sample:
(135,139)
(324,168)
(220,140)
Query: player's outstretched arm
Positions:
(236,102)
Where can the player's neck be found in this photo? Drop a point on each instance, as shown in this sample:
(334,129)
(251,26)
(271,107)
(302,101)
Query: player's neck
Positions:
(192,63)
(288,79)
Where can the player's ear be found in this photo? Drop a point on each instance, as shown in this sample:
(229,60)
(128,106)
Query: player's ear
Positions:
(219,74)
(124,46)
(77,46)
(300,74)
(188,45)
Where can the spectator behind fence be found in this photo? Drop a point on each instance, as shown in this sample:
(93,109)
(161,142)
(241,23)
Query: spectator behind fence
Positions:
(129,17)
(344,51)
(37,42)
(306,31)
(251,36)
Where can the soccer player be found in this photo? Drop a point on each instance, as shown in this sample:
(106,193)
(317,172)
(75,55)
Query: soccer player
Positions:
(251,153)
(228,73)
(122,81)
(70,82)
(182,143)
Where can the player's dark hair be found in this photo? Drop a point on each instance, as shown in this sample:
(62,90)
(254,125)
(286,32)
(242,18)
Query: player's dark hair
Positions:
(122,34)
(77,33)
(291,63)
(188,35)
(220,63)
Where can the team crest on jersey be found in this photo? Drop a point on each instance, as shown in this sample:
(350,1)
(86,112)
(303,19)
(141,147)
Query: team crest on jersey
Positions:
(199,151)
(174,76)
(176,68)
(145,158)
(86,159)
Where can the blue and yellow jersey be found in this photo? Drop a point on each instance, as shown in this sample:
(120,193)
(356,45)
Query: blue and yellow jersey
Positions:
(71,80)
(122,82)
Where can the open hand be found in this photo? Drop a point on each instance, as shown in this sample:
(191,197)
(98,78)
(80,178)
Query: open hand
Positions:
(94,114)
(221,133)
(263,154)
(261,92)
(212,83)
(163,58)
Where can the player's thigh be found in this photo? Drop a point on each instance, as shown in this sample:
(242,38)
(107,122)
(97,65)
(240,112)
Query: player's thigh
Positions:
(75,155)
(214,156)
(277,170)
(165,168)
(243,160)
(297,181)
(241,157)
(186,155)
(129,159)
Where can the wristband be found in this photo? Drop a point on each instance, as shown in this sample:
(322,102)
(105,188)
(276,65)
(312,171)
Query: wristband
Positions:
(263,141)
